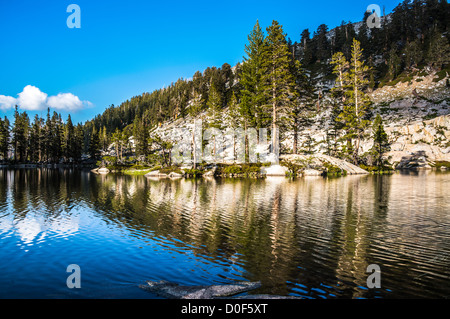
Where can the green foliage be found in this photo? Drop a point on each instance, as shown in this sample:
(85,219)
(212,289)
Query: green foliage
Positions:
(251,80)
(170,169)
(380,139)
(244,170)
(293,168)
(193,172)
(4,138)
(333,170)
(440,164)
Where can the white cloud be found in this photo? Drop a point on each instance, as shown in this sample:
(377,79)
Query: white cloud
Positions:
(7,102)
(33,99)
(65,101)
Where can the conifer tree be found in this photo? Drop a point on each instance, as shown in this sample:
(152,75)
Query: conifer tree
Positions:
(35,149)
(78,142)
(214,107)
(278,81)
(439,51)
(322,45)
(235,118)
(357,103)
(20,133)
(195,107)
(305,41)
(4,138)
(141,134)
(69,140)
(338,99)
(94,144)
(380,139)
(251,79)
(302,110)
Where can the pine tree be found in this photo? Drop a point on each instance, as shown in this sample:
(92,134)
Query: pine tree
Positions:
(380,139)
(94,144)
(20,133)
(251,79)
(4,138)
(338,99)
(322,45)
(195,106)
(305,41)
(302,109)
(439,51)
(394,64)
(235,118)
(141,135)
(214,107)
(340,70)
(35,143)
(47,137)
(357,103)
(78,142)
(68,140)
(278,81)
(413,54)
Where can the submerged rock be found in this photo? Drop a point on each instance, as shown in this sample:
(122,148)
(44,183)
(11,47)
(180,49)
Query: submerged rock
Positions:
(174,291)
(155,174)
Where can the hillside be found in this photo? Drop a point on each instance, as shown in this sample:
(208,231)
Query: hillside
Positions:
(322,93)
(416,124)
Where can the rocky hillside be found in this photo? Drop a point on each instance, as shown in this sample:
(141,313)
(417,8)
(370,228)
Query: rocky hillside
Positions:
(415,112)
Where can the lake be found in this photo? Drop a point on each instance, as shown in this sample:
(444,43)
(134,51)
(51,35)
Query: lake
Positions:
(309,237)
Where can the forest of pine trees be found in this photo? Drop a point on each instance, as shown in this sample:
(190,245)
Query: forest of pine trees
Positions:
(41,140)
(276,86)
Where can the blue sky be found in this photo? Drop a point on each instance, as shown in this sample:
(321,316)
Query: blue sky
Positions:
(125,48)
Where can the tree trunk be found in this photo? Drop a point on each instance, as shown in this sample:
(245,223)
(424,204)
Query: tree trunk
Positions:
(294,148)
(194,146)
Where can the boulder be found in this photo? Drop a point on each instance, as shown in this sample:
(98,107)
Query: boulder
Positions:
(172,290)
(210,173)
(274,170)
(175,175)
(155,174)
(312,172)
(103,170)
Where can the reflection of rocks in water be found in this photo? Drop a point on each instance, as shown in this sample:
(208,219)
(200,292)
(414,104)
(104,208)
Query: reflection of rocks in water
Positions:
(174,291)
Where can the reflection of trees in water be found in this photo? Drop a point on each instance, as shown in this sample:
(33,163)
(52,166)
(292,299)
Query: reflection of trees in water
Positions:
(39,201)
(280,228)
(315,232)
(46,191)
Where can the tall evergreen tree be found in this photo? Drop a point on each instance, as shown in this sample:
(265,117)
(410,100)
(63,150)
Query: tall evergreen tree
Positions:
(251,79)
(214,107)
(302,109)
(380,140)
(357,103)
(69,140)
(35,144)
(4,138)
(20,133)
(141,136)
(278,81)
(94,144)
